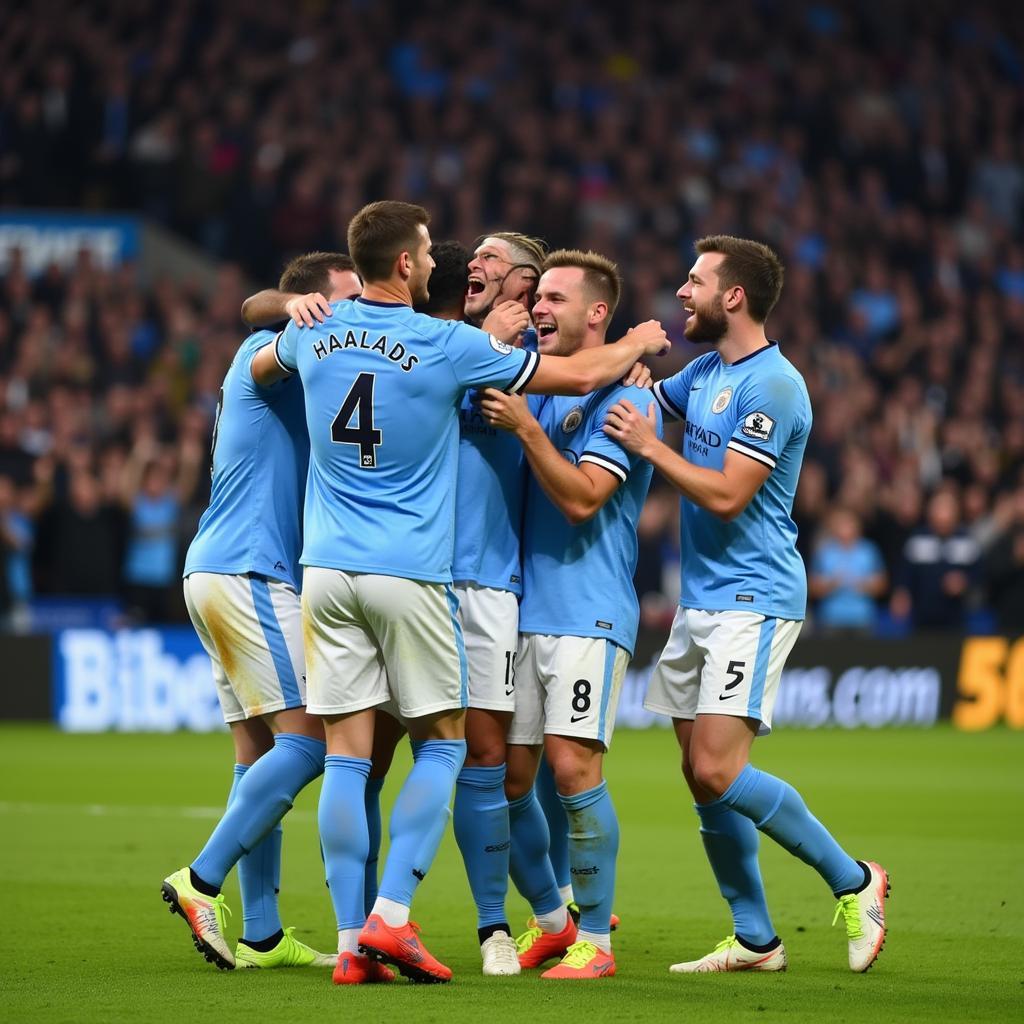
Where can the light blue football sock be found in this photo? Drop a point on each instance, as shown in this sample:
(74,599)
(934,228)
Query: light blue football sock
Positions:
(778,810)
(482,832)
(259,879)
(558,824)
(420,816)
(529,865)
(373,788)
(262,797)
(236,777)
(730,841)
(344,838)
(593,847)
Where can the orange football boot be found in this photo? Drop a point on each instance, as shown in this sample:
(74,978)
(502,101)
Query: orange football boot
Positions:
(583,961)
(401,947)
(536,946)
(353,969)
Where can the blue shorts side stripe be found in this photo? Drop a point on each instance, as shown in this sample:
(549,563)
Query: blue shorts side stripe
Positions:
(275,641)
(610,650)
(453,608)
(764,650)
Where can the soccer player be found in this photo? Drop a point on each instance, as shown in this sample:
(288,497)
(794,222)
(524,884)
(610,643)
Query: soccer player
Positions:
(578,620)
(382,387)
(241,582)
(744,593)
(505,268)
(502,276)
(487,576)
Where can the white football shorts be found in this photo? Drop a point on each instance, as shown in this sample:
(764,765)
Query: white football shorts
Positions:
(251,628)
(721,663)
(567,686)
(490,630)
(371,638)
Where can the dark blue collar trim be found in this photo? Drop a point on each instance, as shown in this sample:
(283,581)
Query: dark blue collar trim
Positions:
(373,302)
(756,352)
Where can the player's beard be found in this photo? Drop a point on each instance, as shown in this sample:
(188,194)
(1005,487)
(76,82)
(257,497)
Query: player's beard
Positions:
(707,324)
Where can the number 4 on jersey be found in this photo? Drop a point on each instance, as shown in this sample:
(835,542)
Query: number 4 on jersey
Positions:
(359,401)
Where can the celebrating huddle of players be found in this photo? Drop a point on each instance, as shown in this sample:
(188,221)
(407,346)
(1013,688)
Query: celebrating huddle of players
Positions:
(441,453)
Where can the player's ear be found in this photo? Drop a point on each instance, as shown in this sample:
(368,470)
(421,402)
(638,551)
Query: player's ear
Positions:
(598,313)
(404,264)
(733,298)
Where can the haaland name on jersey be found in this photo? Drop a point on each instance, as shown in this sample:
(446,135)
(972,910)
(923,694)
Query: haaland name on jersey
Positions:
(325,347)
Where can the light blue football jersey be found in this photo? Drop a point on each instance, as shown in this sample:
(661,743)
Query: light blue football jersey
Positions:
(578,580)
(758,407)
(383,386)
(489,495)
(260,456)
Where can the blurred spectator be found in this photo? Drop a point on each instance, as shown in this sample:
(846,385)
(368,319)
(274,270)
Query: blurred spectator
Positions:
(84,540)
(940,563)
(17,532)
(154,488)
(1005,569)
(847,576)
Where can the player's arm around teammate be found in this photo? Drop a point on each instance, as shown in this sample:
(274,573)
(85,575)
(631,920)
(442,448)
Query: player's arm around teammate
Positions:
(241,576)
(573,649)
(743,598)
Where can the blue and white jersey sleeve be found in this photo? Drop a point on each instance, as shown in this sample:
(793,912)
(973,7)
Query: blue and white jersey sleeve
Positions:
(769,411)
(480,360)
(602,450)
(284,348)
(673,392)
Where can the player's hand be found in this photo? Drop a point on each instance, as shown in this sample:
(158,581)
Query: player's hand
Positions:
(507,321)
(639,376)
(519,285)
(634,431)
(652,336)
(509,412)
(305,310)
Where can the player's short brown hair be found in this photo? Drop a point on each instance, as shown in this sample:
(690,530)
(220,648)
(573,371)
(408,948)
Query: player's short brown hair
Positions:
(379,232)
(601,276)
(751,265)
(311,272)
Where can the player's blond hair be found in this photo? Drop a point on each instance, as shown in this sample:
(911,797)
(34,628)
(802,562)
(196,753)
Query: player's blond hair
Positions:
(524,248)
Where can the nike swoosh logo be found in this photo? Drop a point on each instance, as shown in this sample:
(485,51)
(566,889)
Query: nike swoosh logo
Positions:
(508,693)
(696,389)
(577,718)
(726,696)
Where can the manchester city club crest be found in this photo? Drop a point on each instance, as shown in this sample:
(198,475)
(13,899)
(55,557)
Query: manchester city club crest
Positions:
(722,400)
(573,418)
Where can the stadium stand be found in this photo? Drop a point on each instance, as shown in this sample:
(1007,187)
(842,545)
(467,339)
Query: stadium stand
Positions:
(879,150)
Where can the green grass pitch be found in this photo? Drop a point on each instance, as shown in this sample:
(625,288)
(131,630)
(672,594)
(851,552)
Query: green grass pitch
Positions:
(91,824)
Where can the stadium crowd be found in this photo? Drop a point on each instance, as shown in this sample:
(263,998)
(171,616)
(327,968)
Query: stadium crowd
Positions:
(878,150)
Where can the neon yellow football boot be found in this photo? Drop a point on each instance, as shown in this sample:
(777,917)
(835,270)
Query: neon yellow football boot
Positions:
(289,952)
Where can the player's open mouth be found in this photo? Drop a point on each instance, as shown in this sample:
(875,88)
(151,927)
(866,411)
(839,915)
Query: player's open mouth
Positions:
(476,286)
(545,330)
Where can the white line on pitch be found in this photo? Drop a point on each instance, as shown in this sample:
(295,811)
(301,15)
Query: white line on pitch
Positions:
(130,811)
